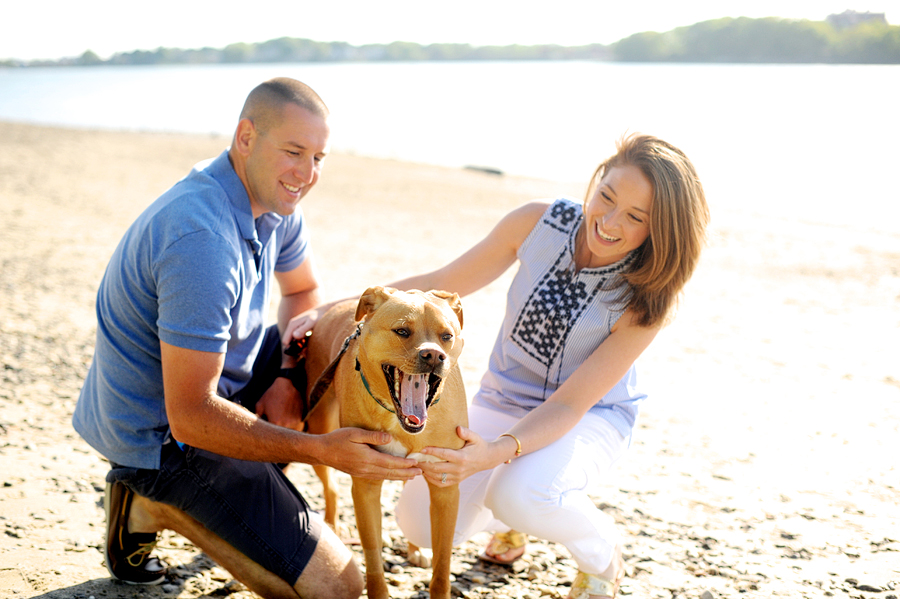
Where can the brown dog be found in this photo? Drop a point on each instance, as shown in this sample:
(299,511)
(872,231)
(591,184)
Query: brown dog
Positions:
(396,372)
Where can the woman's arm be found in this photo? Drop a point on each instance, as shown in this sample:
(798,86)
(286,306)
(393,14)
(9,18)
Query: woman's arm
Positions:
(477,267)
(486,260)
(299,292)
(555,417)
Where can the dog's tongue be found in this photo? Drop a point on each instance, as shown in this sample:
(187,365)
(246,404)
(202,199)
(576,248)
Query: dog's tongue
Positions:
(413,394)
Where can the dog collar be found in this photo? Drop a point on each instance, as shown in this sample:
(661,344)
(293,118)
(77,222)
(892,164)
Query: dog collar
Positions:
(372,395)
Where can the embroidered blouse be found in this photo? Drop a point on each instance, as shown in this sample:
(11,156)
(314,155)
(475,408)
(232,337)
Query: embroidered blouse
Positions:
(555,318)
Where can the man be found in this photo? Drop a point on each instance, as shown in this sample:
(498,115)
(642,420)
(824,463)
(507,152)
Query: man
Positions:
(182,347)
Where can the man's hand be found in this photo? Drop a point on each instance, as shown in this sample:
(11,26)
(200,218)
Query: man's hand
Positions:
(298,326)
(349,450)
(281,404)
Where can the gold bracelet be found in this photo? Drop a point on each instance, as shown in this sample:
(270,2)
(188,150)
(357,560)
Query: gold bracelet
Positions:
(518,445)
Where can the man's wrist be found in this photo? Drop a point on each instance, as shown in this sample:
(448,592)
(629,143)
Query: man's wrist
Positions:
(287,362)
(297,376)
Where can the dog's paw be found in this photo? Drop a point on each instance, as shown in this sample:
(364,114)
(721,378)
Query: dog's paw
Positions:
(419,557)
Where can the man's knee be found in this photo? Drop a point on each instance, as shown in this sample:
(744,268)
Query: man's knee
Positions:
(331,572)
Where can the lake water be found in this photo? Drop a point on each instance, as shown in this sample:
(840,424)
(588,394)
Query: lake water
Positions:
(811,142)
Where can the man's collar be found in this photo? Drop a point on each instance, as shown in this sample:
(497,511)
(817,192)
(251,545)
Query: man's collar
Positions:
(223,171)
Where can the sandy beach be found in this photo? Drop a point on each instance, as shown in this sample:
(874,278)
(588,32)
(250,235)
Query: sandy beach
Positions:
(765,463)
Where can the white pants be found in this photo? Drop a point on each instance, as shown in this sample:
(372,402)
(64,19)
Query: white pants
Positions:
(543,494)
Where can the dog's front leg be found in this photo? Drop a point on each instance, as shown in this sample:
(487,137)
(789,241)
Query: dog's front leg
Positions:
(367,505)
(444,507)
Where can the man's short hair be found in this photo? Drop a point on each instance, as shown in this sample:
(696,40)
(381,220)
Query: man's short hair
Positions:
(265,103)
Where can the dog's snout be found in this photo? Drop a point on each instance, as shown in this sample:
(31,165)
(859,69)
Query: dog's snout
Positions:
(432,355)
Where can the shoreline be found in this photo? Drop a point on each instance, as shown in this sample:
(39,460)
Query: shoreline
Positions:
(764,463)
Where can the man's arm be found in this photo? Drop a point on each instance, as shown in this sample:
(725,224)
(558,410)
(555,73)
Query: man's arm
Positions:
(202,419)
(282,404)
(299,292)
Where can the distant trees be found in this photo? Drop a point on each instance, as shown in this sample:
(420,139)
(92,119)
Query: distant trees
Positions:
(766,41)
(868,43)
(849,37)
(89,58)
(303,50)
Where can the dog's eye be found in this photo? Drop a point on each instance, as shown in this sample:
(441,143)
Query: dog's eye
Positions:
(447,337)
(402,332)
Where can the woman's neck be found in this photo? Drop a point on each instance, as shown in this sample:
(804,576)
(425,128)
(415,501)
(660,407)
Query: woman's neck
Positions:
(581,254)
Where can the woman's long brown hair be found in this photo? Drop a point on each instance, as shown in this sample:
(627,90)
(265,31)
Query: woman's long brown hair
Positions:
(679,217)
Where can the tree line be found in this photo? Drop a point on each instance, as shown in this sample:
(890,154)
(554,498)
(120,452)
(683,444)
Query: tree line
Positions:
(768,40)
(726,40)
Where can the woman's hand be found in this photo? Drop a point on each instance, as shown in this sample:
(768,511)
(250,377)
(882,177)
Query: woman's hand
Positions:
(459,464)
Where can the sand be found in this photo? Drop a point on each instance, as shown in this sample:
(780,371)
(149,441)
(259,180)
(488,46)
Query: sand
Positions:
(765,464)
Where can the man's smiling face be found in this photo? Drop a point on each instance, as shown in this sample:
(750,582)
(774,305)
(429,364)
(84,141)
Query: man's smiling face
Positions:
(285,162)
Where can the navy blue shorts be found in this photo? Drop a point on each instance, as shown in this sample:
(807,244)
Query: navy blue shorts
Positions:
(251,505)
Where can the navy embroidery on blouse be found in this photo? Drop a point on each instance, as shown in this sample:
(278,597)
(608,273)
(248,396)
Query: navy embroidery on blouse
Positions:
(561,216)
(561,296)
(549,313)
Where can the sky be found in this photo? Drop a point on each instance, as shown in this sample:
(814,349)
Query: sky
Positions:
(52,29)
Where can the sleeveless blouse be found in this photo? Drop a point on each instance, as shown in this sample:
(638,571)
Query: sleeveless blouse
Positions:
(556,318)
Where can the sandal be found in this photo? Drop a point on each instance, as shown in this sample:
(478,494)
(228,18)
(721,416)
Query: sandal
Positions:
(587,585)
(501,543)
(128,554)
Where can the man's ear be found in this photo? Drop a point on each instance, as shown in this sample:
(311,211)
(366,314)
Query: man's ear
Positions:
(245,137)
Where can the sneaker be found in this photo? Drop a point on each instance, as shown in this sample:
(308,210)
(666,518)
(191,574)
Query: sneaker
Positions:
(128,554)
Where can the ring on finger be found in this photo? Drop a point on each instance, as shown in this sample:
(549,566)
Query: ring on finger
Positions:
(443,478)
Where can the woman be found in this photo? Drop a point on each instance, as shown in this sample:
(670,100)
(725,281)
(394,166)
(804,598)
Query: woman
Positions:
(558,404)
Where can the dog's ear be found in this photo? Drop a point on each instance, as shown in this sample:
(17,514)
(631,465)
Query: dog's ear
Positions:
(452,300)
(371,300)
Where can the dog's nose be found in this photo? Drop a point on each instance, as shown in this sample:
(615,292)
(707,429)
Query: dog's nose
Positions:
(432,356)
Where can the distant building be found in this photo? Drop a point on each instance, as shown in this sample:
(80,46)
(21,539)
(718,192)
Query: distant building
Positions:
(851,18)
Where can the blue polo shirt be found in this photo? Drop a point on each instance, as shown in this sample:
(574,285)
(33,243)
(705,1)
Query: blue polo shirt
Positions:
(196,271)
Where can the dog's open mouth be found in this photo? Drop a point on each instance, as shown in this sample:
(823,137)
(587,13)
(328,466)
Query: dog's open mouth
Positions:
(412,395)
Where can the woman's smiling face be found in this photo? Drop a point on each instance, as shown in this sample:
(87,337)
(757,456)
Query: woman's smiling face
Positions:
(617,216)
